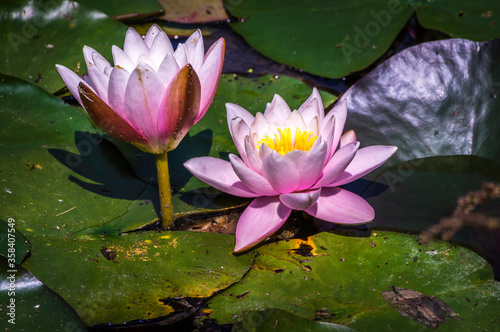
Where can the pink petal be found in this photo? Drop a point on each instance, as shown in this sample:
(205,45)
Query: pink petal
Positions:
(347,137)
(235,111)
(278,110)
(99,79)
(134,45)
(366,160)
(180,55)
(296,157)
(340,114)
(121,59)
(116,89)
(327,134)
(264,151)
(300,201)
(259,127)
(263,217)
(239,130)
(252,180)
(311,168)
(337,164)
(280,173)
(219,174)
(195,50)
(71,80)
(312,107)
(253,159)
(153,32)
(168,69)
(178,108)
(341,206)
(210,74)
(142,101)
(160,48)
(294,121)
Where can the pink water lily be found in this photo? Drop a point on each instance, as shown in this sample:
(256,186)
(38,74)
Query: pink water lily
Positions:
(291,161)
(152,95)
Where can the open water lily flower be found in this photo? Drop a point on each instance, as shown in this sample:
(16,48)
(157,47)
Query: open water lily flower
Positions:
(291,161)
(152,95)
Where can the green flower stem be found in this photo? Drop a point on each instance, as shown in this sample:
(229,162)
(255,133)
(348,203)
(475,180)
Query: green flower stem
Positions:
(166,208)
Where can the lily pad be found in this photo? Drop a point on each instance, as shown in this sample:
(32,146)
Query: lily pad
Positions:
(136,275)
(340,279)
(13,244)
(417,194)
(280,320)
(436,99)
(333,39)
(28,305)
(193,11)
(36,35)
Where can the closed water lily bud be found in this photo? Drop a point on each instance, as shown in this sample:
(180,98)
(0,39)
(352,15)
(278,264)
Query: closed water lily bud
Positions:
(152,95)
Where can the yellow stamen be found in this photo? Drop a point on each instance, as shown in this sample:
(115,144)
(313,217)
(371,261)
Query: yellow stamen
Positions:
(283,143)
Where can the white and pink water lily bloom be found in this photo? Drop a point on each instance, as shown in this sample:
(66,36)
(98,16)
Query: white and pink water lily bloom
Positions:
(291,161)
(152,95)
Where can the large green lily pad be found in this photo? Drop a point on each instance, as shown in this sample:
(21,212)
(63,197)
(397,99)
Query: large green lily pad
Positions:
(28,305)
(36,35)
(437,98)
(136,275)
(333,39)
(339,279)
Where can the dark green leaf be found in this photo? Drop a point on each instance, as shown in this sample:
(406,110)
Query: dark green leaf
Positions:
(29,305)
(338,278)
(333,39)
(37,35)
(13,244)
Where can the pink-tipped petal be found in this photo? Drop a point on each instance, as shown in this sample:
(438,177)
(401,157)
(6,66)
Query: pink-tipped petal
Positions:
(142,101)
(116,90)
(278,110)
(153,32)
(259,127)
(311,168)
(239,130)
(366,160)
(253,159)
(99,79)
(121,59)
(347,137)
(134,45)
(300,201)
(341,206)
(160,48)
(210,74)
(168,69)
(294,121)
(264,151)
(313,106)
(235,111)
(195,50)
(263,217)
(339,112)
(71,80)
(252,180)
(280,173)
(296,157)
(219,174)
(179,108)
(180,55)
(337,164)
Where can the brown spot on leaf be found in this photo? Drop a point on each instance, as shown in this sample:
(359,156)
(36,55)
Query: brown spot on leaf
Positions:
(424,309)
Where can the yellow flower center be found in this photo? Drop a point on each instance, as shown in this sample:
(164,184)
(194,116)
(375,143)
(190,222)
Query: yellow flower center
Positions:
(283,143)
